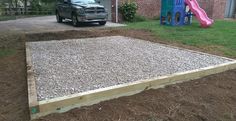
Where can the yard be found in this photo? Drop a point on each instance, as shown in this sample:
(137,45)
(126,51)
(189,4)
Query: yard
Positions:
(218,39)
(208,99)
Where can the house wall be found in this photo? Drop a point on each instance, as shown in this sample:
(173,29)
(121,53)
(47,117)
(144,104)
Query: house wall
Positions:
(214,8)
(113,11)
(147,8)
(219,9)
(151,8)
(208,6)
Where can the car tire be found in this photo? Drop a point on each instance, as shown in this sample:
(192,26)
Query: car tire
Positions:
(59,18)
(75,21)
(102,22)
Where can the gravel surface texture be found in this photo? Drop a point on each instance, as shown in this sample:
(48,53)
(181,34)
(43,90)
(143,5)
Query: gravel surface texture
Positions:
(73,66)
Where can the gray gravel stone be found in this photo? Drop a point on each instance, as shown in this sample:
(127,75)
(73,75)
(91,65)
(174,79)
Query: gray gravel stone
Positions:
(73,66)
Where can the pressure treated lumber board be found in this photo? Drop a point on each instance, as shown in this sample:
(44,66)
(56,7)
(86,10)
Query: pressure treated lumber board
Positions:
(32,94)
(63,104)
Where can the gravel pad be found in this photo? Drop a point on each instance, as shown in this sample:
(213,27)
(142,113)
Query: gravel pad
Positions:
(72,66)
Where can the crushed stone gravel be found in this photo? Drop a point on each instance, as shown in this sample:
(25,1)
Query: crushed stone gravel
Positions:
(72,66)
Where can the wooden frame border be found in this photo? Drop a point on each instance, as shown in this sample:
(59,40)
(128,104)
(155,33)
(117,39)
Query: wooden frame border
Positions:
(65,103)
(32,93)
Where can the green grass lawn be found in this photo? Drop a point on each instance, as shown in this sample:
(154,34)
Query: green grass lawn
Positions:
(221,36)
(6,18)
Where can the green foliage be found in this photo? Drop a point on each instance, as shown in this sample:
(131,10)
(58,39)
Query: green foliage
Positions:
(139,18)
(1,9)
(5,18)
(128,10)
(48,1)
(38,7)
(50,7)
(35,6)
(42,7)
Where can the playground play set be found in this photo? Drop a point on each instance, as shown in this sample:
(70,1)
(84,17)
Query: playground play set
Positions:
(180,12)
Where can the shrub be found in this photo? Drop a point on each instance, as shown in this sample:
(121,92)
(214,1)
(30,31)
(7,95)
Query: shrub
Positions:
(128,10)
(48,8)
(44,8)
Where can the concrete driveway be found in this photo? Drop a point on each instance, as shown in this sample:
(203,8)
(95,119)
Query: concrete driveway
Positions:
(46,24)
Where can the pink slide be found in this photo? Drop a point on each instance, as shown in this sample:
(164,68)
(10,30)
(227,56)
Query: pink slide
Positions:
(200,13)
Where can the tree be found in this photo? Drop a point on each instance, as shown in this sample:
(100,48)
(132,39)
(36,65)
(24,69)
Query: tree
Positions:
(46,5)
(48,1)
(43,6)
(25,6)
(12,5)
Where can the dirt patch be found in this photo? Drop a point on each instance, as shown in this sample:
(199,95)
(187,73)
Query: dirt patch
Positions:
(208,99)
(212,98)
(13,91)
(139,34)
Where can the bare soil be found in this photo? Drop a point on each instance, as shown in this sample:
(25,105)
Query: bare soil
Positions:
(212,98)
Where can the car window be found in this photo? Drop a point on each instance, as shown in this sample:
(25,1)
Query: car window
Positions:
(83,1)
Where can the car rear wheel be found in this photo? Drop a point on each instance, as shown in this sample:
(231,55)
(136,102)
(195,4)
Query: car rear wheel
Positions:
(102,22)
(59,18)
(75,20)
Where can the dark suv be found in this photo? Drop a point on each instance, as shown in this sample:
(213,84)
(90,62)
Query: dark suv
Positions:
(81,11)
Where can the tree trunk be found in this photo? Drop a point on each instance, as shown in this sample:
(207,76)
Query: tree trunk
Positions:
(25,6)
(16,7)
(11,7)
